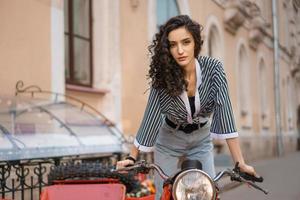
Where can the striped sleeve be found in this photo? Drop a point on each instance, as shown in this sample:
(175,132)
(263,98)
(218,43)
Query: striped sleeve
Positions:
(223,125)
(152,120)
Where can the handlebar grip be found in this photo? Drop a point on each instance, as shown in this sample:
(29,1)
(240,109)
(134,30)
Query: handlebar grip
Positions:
(129,165)
(250,177)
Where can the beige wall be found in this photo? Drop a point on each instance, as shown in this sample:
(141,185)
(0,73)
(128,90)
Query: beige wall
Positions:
(134,63)
(24,44)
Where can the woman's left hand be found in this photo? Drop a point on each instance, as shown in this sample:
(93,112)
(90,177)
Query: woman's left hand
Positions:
(248,169)
(251,171)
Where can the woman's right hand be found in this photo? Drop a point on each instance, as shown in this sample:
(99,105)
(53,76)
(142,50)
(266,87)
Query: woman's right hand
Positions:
(124,163)
(129,160)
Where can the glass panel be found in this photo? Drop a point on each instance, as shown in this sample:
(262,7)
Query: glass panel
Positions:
(81,17)
(67,57)
(66,15)
(41,128)
(82,61)
(166,9)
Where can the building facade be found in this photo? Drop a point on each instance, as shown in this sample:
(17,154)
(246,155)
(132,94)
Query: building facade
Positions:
(96,50)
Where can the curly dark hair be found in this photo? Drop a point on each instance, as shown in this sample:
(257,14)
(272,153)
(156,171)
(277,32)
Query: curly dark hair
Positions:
(164,72)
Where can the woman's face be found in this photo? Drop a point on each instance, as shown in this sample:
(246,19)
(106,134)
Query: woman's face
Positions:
(182,46)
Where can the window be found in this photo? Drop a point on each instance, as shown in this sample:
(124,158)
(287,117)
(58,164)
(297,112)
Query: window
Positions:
(166,9)
(244,88)
(214,43)
(78,42)
(290,103)
(263,86)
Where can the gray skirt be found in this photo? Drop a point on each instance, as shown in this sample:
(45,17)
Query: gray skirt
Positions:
(174,146)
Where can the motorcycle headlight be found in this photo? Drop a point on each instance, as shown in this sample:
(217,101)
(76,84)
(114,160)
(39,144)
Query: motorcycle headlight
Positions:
(193,184)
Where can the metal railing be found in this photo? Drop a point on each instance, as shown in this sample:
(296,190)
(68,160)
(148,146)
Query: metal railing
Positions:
(26,179)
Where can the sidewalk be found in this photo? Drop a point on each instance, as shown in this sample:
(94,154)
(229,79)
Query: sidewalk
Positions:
(281,179)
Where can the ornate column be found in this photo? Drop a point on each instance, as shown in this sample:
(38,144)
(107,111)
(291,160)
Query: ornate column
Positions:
(257,26)
(235,15)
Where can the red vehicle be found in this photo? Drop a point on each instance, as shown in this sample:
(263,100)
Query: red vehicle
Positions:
(95,182)
(91,181)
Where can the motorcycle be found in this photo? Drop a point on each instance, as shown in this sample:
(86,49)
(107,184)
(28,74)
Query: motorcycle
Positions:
(94,181)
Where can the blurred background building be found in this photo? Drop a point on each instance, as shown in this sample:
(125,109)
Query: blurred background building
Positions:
(96,50)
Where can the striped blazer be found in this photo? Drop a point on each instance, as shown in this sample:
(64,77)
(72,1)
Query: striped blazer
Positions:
(212,99)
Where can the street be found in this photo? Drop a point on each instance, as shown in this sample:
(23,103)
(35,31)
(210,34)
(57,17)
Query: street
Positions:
(281,179)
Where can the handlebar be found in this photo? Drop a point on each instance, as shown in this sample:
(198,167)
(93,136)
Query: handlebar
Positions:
(235,174)
(144,167)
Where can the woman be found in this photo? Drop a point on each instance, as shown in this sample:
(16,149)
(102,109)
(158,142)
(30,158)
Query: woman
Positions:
(186,89)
